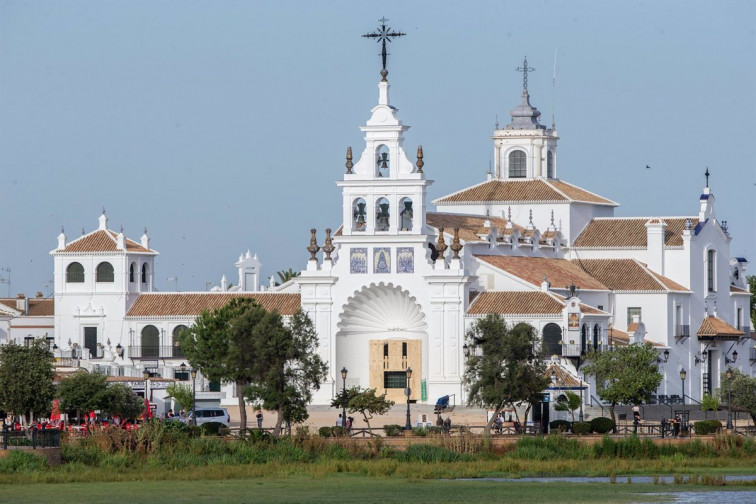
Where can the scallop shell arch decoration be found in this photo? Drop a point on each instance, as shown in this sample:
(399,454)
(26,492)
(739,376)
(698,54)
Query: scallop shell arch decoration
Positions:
(381,310)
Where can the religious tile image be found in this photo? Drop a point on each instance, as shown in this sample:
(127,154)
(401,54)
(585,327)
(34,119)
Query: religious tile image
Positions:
(358,260)
(405,259)
(382,260)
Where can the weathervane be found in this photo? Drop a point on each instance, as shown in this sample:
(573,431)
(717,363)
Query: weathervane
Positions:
(383,34)
(525,69)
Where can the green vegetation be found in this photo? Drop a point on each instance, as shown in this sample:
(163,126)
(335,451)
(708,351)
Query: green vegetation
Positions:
(503,367)
(742,388)
(625,375)
(570,401)
(26,376)
(602,425)
(182,394)
(83,392)
(708,426)
(363,401)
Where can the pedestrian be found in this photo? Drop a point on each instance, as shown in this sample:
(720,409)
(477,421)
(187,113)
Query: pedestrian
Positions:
(349,422)
(259,417)
(339,421)
(447,425)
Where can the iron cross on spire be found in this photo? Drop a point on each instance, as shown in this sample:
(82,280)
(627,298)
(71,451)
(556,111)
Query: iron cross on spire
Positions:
(525,69)
(383,34)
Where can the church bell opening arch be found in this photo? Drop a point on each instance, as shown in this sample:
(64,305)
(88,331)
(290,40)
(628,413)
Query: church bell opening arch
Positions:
(382,330)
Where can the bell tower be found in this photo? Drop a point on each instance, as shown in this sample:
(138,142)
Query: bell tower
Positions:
(524,148)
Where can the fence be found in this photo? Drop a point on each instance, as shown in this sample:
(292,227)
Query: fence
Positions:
(156,352)
(32,438)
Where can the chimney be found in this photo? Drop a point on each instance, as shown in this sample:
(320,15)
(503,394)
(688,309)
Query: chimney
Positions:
(145,240)
(655,230)
(21,304)
(40,295)
(120,241)
(61,240)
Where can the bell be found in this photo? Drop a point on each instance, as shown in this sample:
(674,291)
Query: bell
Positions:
(360,215)
(383,160)
(383,217)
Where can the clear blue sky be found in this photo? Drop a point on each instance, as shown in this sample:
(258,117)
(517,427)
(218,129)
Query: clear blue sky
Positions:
(222,126)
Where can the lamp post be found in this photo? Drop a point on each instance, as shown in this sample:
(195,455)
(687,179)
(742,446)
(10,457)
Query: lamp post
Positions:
(344,372)
(729,398)
(194,397)
(408,391)
(582,389)
(683,374)
(146,376)
(182,368)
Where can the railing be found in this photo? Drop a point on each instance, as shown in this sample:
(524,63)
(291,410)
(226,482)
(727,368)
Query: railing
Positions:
(571,350)
(156,352)
(33,438)
(682,331)
(67,362)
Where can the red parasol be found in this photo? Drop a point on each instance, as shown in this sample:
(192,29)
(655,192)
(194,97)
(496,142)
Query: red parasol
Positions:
(55,413)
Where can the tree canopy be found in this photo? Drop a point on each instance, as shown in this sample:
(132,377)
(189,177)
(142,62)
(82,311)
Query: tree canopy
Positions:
(503,367)
(26,378)
(182,394)
(742,389)
(287,367)
(84,392)
(362,401)
(626,375)
(569,402)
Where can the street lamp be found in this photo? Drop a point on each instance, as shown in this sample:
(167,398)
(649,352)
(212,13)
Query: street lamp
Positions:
(194,397)
(408,391)
(344,372)
(683,374)
(729,398)
(582,389)
(146,376)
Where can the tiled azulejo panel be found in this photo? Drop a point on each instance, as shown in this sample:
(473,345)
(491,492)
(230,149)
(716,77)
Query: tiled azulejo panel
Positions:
(358,260)
(405,259)
(381,260)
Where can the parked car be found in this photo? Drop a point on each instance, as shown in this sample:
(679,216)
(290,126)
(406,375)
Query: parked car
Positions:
(207,415)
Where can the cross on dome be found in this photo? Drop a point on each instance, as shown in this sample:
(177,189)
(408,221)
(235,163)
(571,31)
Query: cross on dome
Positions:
(525,69)
(384,34)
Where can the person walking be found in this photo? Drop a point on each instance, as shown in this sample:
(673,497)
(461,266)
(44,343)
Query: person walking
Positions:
(339,421)
(259,417)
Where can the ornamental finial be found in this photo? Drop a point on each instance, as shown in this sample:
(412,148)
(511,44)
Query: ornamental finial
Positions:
(420,163)
(382,35)
(349,163)
(313,247)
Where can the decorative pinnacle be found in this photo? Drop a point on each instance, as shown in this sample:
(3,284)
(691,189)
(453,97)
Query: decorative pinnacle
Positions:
(328,246)
(456,246)
(552,218)
(525,69)
(103,210)
(420,163)
(62,231)
(509,214)
(313,247)
(441,245)
(383,34)
(349,163)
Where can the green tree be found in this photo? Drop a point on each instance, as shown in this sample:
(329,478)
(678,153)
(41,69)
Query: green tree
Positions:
(503,368)
(287,367)
(743,391)
(368,404)
(182,394)
(119,400)
(81,392)
(286,275)
(220,345)
(710,403)
(570,402)
(625,375)
(26,378)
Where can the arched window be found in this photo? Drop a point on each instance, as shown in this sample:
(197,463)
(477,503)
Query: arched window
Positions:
(552,335)
(711,281)
(132,267)
(176,342)
(405,214)
(583,339)
(150,342)
(382,161)
(596,336)
(517,164)
(75,273)
(145,272)
(382,222)
(549,164)
(359,215)
(104,272)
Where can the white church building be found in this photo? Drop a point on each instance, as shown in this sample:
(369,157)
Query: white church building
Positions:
(398,282)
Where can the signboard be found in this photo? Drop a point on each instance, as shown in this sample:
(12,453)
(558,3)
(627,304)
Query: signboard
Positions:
(573,321)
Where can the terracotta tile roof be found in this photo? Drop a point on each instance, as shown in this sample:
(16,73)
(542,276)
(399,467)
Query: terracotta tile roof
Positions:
(715,328)
(562,378)
(515,302)
(38,307)
(632,327)
(122,379)
(530,190)
(738,290)
(559,272)
(102,240)
(191,304)
(618,337)
(469,226)
(584,308)
(627,275)
(626,233)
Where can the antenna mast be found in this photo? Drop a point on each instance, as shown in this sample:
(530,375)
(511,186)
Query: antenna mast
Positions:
(553,93)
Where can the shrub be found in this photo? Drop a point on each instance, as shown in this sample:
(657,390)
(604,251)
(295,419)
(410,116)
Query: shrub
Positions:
(21,461)
(419,431)
(707,427)
(581,428)
(602,425)
(211,428)
(559,426)
(393,430)
(325,432)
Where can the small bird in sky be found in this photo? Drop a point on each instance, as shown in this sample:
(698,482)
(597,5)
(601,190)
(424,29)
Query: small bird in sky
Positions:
(648,167)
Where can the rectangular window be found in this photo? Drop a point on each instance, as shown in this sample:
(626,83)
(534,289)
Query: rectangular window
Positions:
(739,319)
(214,386)
(601,307)
(29,341)
(394,379)
(181,376)
(90,339)
(631,312)
(710,264)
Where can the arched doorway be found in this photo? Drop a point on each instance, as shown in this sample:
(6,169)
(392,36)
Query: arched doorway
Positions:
(552,335)
(382,332)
